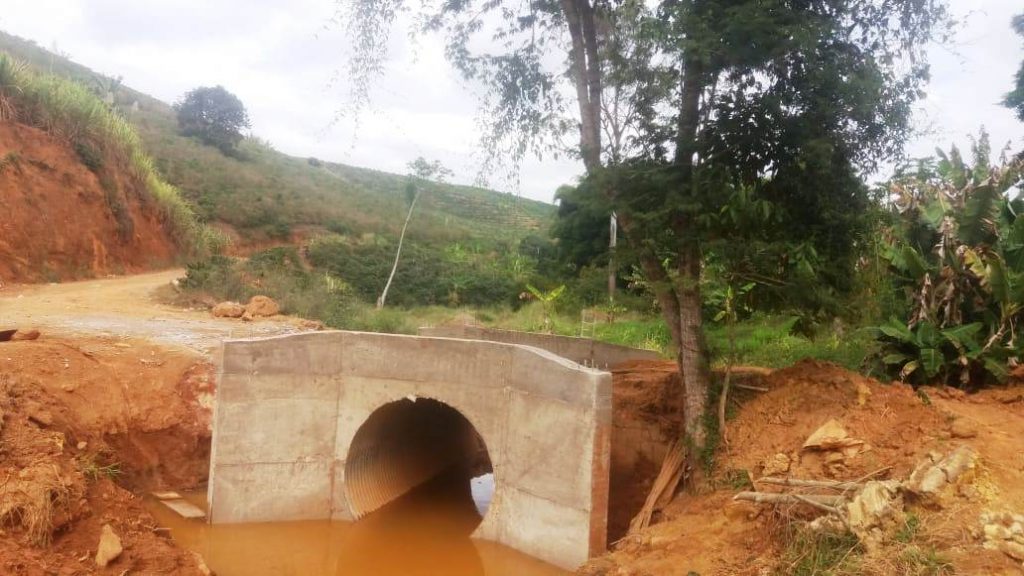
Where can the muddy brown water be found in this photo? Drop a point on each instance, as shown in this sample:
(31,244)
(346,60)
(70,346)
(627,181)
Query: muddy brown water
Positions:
(425,533)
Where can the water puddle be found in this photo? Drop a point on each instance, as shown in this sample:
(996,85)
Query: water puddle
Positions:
(425,533)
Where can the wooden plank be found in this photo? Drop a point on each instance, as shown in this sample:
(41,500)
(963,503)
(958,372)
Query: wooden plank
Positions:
(185,508)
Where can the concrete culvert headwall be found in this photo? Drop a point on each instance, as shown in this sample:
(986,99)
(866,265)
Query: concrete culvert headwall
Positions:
(405,444)
(324,425)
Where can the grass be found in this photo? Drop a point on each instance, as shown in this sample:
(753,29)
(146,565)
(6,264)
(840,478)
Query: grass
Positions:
(264,193)
(104,139)
(95,471)
(811,553)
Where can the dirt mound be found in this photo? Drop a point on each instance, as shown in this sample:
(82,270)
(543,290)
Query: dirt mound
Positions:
(62,221)
(880,429)
(897,426)
(83,421)
(261,307)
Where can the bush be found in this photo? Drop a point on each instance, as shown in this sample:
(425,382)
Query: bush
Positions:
(958,249)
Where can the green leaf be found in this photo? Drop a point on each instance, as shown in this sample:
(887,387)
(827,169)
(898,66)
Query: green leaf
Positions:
(914,262)
(975,220)
(927,335)
(896,330)
(997,280)
(909,368)
(931,360)
(895,358)
(996,368)
(964,336)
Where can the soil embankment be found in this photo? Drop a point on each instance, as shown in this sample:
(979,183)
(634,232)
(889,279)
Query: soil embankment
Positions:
(88,425)
(62,220)
(894,429)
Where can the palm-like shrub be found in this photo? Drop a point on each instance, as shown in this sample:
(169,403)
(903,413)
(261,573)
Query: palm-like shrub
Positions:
(958,249)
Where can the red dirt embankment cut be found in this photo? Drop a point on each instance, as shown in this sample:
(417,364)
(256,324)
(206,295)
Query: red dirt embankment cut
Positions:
(86,425)
(61,221)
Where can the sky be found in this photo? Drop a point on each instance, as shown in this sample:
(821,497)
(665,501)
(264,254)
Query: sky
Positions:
(283,58)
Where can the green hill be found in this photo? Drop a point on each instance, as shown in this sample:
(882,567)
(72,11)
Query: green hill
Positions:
(266,194)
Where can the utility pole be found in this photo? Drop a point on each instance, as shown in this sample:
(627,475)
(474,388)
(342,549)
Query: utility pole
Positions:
(613,233)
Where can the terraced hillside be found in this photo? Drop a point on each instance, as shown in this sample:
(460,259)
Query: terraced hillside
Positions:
(266,194)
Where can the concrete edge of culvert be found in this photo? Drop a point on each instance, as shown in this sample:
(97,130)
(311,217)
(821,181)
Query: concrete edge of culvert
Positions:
(527,404)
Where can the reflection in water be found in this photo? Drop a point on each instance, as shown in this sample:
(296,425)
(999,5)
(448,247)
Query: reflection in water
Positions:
(426,533)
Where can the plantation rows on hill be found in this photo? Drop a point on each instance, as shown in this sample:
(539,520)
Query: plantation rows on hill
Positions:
(263,193)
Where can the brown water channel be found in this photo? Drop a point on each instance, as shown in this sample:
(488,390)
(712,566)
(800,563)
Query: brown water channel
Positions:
(424,533)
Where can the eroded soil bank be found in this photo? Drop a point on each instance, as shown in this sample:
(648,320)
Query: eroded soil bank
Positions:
(88,425)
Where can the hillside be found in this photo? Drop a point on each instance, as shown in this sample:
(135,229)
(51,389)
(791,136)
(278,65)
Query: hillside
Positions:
(108,226)
(266,195)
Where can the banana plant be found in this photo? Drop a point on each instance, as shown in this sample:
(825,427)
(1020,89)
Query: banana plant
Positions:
(547,301)
(959,249)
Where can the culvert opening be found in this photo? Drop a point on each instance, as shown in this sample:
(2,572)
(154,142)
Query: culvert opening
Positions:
(422,449)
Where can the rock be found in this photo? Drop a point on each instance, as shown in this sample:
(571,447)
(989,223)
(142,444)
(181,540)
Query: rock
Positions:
(876,511)
(23,335)
(776,465)
(863,393)
(82,445)
(201,564)
(228,310)
(831,436)
(1012,549)
(311,325)
(40,416)
(261,306)
(962,429)
(109,548)
(932,476)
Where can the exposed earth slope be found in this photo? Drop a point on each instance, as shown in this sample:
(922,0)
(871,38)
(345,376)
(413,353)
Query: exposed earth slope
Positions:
(60,220)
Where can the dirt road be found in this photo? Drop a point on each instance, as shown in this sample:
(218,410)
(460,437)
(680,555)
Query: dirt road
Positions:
(125,307)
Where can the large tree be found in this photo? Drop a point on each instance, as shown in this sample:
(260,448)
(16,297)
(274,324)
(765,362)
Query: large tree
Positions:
(1015,99)
(682,108)
(214,115)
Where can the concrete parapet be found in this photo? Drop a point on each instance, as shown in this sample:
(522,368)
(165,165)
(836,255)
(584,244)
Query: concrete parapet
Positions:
(585,351)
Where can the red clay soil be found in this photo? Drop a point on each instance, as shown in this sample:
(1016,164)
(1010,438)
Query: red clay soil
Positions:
(88,424)
(59,222)
(708,534)
(646,418)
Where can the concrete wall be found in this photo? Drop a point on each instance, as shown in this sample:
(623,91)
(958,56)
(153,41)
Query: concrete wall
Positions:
(580,350)
(288,409)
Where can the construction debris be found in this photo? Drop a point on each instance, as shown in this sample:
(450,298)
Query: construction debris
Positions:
(672,470)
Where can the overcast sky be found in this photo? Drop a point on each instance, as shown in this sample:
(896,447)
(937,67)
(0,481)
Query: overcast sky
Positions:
(279,57)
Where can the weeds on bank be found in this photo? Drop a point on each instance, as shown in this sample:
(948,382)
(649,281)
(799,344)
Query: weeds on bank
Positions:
(812,553)
(94,471)
(69,111)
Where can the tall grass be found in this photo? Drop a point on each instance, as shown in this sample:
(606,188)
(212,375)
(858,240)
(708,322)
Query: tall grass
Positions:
(69,111)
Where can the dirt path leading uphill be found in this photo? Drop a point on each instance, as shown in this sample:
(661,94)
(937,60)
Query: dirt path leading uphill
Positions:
(124,307)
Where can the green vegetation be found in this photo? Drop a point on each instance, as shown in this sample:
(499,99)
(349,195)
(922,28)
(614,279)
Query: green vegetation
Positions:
(958,251)
(213,115)
(1015,99)
(69,111)
(814,553)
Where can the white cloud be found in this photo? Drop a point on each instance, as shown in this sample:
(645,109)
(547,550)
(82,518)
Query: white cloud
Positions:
(279,57)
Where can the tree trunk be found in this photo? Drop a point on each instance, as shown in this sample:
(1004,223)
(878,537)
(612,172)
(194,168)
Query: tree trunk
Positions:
(398,253)
(692,352)
(586,73)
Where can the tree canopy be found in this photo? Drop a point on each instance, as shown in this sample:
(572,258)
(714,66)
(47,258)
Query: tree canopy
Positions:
(694,118)
(1015,99)
(214,115)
